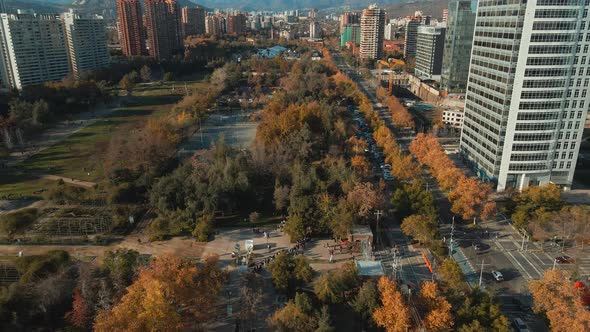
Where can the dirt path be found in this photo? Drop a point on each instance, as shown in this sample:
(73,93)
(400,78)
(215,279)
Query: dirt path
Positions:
(81,183)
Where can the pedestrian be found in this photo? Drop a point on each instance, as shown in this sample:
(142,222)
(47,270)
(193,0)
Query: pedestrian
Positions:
(331,255)
(268,247)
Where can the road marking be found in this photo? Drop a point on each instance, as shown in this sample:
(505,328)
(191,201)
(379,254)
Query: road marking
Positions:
(522,267)
(537,257)
(531,264)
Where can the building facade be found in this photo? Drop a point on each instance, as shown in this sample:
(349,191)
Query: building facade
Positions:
(130,26)
(372,29)
(315,30)
(458,40)
(163,26)
(86,38)
(347,19)
(33,49)
(236,24)
(453,118)
(411,37)
(390,30)
(351,33)
(527,93)
(429,52)
(193,21)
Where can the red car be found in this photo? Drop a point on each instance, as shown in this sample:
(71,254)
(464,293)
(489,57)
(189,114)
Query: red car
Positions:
(564,259)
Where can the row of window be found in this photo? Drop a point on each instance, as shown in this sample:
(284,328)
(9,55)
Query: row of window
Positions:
(545,72)
(472,103)
(552,38)
(530,147)
(564,154)
(549,61)
(562,2)
(528,167)
(533,84)
(537,116)
(477,126)
(540,105)
(556,13)
(492,55)
(499,24)
(551,94)
(501,35)
(488,75)
(536,126)
(486,64)
(551,49)
(494,87)
(529,157)
(554,25)
(493,45)
(533,137)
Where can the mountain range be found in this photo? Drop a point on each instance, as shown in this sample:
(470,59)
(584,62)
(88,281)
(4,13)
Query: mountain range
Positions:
(108,7)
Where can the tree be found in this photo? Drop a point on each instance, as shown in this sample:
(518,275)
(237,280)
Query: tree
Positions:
(394,313)
(167,295)
(523,205)
(145,73)
(127,84)
(121,265)
(80,315)
(413,199)
(292,318)
(366,301)
(450,272)
(168,77)
(557,297)
(324,321)
(420,227)
(476,311)
(435,308)
(288,272)
(333,286)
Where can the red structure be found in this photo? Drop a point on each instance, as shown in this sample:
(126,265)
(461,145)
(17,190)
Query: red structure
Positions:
(130,25)
(164,31)
(236,24)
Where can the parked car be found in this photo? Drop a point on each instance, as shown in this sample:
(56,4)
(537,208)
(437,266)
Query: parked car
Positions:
(498,276)
(387,176)
(564,259)
(520,325)
(477,247)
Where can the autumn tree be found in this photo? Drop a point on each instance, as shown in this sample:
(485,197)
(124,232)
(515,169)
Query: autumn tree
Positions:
(127,84)
(451,274)
(420,227)
(292,318)
(435,308)
(361,165)
(393,314)
(522,206)
(80,315)
(168,295)
(556,296)
(470,198)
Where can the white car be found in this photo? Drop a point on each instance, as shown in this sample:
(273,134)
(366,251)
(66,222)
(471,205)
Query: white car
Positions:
(498,276)
(387,167)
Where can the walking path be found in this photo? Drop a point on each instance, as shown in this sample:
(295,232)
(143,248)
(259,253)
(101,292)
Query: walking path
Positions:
(81,183)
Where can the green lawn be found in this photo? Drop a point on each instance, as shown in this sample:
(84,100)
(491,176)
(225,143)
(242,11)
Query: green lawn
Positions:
(80,153)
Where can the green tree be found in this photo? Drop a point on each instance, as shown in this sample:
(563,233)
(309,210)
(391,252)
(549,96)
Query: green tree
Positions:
(121,265)
(366,301)
(420,227)
(292,318)
(302,270)
(288,272)
(324,321)
(479,306)
(450,272)
(413,199)
(145,73)
(524,205)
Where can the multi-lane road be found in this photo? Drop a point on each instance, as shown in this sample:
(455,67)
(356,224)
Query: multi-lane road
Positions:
(501,247)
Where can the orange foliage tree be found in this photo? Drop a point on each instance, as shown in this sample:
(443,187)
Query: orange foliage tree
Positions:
(170,295)
(470,197)
(560,300)
(435,308)
(393,314)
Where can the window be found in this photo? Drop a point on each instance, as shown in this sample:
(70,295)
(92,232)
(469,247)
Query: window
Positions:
(571,155)
(569,164)
(561,164)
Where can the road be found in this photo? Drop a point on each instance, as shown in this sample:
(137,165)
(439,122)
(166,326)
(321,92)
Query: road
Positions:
(409,267)
(500,253)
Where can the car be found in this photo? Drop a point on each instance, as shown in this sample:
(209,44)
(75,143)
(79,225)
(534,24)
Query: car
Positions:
(477,247)
(520,325)
(564,259)
(387,176)
(386,167)
(498,276)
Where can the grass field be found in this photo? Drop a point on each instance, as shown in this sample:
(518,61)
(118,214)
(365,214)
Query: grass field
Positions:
(80,153)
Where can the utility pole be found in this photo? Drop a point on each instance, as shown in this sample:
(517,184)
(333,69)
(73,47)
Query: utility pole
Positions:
(451,241)
(378,214)
(525,237)
(481,272)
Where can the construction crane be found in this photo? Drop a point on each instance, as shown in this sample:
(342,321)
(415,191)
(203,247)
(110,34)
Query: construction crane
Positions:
(391,64)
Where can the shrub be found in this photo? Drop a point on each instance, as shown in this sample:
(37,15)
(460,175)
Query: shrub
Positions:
(16,222)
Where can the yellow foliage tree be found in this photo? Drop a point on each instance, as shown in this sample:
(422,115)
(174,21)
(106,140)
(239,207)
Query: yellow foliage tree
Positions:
(393,314)
(436,308)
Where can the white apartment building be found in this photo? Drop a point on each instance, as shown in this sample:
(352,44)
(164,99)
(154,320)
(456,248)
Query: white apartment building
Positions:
(33,49)
(390,30)
(372,30)
(453,118)
(527,93)
(87,42)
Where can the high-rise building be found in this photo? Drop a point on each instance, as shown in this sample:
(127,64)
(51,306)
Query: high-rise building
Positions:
(372,29)
(351,33)
(527,95)
(445,15)
(315,30)
(347,19)
(86,38)
(163,28)
(390,30)
(411,37)
(458,40)
(236,23)
(130,26)
(33,49)
(211,25)
(429,52)
(193,21)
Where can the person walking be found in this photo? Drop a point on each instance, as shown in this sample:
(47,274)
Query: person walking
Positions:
(331,255)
